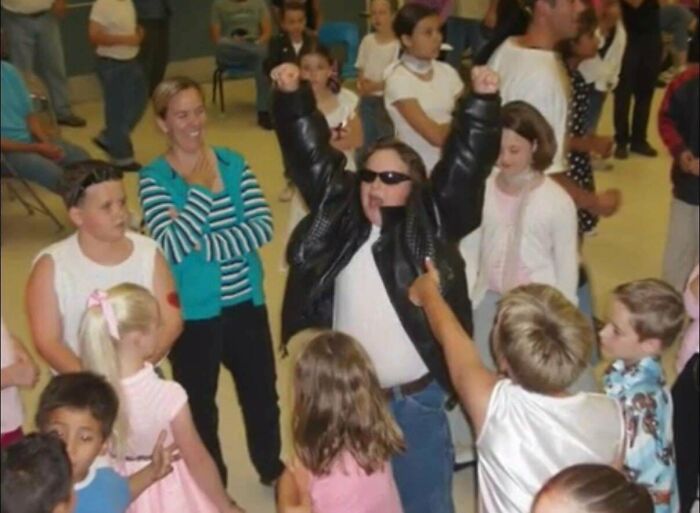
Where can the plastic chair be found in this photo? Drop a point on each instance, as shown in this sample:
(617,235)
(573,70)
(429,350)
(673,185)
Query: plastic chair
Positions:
(342,34)
(237,72)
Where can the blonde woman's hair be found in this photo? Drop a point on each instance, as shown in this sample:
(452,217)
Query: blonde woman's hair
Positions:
(657,310)
(545,341)
(168,89)
(135,310)
(339,406)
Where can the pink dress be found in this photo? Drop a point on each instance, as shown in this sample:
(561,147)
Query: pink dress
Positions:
(691,340)
(349,489)
(152,404)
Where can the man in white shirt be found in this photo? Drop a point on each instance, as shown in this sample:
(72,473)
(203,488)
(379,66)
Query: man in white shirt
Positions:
(33,35)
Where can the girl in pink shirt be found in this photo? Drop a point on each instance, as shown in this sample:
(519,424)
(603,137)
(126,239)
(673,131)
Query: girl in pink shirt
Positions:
(18,370)
(118,335)
(344,435)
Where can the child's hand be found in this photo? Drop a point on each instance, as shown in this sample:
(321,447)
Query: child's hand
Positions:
(602,146)
(424,284)
(286,77)
(162,458)
(689,163)
(22,374)
(607,203)
(485,80)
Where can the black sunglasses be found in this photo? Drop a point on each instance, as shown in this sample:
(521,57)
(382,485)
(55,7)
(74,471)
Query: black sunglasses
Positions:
(387,177)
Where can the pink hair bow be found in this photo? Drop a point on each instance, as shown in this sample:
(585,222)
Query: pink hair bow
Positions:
(100,298)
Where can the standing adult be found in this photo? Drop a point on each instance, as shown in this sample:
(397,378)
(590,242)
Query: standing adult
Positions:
(204,207)
(353,258)
(466,29)
(154,17)
(34,37)
(640,69)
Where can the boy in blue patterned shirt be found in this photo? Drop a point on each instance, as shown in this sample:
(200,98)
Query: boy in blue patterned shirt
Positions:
(646,317)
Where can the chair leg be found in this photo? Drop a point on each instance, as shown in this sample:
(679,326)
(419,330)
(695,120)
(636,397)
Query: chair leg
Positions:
(39,204)
(14,195)
(221,93)
(216,79)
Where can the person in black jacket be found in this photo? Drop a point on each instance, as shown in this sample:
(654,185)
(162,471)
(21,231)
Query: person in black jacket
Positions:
(292,39)
(354,257)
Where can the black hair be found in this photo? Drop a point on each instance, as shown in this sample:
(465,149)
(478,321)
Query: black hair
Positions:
(79,176)
(409,156)
(36,475)
(80,391)
(587,24)
(409,16)
(316,48)
(292,5)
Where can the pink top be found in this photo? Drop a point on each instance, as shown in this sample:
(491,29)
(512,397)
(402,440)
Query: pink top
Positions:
(151,405)
(11,415)
(691,340)
(349,489)
(508,208)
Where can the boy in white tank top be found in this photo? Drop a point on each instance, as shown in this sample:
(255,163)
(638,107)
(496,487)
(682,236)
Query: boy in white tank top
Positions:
(529,428)
(99,255)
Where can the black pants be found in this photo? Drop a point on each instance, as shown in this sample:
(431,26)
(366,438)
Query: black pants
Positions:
(240,340)
(155,49)
(640,70)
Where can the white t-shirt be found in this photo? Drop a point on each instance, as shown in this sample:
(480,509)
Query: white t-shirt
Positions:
(27,6)
(76,277)
(118,17)
(527,438)
(374,58)
(437,97)
(11,416)
(362,309)
(539,78)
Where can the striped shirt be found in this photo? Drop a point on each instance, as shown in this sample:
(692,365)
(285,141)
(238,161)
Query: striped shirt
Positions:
(210,223)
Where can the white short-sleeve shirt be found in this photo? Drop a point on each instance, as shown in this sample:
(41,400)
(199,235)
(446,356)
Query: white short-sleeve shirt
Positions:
(374,58)
(118,17)
(437,97)
(539,78)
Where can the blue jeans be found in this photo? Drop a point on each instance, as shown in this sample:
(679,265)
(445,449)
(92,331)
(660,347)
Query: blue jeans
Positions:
(376,123)
(124,95)
(595,110)
(250,56)
(424,472)
(463,33)
(45,172)
(38,41)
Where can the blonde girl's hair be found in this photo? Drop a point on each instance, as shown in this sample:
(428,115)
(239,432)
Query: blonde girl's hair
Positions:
(339,407)
(168,89)
(135,310)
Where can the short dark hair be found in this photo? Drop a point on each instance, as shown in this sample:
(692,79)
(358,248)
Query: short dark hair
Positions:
(529,123)
(81,175)
(316,48)
(292,5)
(409,156)
(36,475)
(80,391)
(409,16)
(657,310)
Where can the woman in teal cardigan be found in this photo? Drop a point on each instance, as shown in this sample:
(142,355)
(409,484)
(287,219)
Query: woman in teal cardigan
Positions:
(204,206)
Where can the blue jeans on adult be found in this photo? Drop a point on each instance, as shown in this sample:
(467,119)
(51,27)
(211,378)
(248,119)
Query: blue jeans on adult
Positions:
(376,123)
(595,110)
(231,53)
(37,40)
(46,172)
(424,472)
(124,92)
(463,33)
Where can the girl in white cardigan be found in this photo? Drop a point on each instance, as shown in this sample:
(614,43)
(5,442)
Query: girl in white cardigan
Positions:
(529,228)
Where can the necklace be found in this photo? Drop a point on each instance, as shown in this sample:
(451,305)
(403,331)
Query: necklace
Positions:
(416,65)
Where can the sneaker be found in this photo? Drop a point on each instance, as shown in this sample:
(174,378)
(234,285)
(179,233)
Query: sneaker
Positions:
(130,167)
(72,120)
(265,121)
(621,152)
(644,149)
(287,194)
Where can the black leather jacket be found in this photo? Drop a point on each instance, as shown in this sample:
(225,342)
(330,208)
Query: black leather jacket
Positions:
(432,223)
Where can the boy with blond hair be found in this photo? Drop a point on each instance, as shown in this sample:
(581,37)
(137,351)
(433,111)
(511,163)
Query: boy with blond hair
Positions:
(524,416)
(646,318)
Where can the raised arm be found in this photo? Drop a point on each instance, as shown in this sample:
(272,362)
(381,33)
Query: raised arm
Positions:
(468,157)
(170,313)
(473,382)
(304,137)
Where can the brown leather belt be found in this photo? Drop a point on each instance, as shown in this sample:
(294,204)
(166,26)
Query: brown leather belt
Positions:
(413,387)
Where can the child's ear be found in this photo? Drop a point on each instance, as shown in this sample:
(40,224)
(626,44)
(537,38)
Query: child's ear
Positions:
(75,214)
(162,125)
(652,346)
(406,41)
(104,448)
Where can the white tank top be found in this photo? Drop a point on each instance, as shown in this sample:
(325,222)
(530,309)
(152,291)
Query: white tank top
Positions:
(76,277)
(527,438)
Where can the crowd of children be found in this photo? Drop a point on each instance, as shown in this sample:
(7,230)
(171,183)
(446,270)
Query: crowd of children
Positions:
(384,186)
